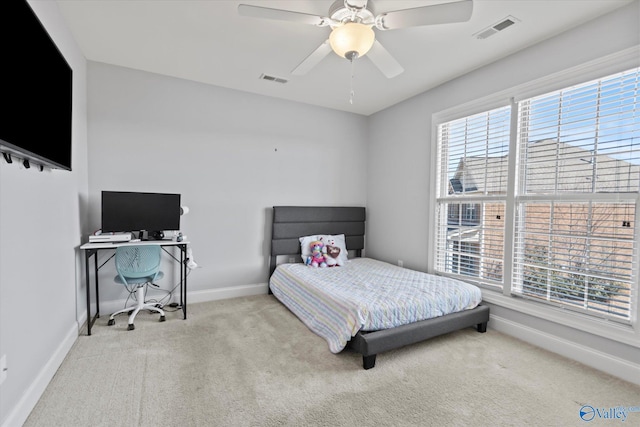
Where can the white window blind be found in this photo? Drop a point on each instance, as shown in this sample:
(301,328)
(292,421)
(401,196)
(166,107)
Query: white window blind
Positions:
(579,175)
(472,185)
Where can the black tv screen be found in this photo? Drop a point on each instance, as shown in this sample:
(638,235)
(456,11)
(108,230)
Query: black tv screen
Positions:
(35,90)
(124,211)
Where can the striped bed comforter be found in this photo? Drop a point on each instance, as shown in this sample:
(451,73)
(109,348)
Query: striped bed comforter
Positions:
(368,295)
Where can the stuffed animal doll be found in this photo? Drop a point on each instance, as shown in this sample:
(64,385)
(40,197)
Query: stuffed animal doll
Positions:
(332,254)
(317,258)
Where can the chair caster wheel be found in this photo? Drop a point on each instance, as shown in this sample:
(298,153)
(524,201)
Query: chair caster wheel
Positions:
(111,322)
(130,327)
(162,318)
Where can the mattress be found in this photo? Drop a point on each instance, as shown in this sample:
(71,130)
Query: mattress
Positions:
(366,295)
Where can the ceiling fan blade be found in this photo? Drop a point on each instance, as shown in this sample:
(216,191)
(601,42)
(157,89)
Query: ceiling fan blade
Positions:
(445,13)
(313,59)
(382,59)
(281,15)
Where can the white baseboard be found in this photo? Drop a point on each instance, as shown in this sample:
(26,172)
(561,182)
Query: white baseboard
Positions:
(82,319)
(30,398)
(108,307)
(612,365)
(226,293)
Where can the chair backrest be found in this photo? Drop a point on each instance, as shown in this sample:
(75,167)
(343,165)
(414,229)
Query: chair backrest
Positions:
(135,262)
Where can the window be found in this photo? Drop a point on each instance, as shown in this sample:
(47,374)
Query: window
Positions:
(578,193)
(473,182)
(571,191)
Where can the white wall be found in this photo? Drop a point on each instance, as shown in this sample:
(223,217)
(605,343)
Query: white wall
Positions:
(230,154)
(41,220)
(217,147)
(401,145)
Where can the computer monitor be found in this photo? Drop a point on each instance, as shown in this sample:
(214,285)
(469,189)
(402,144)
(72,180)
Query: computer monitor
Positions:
(125,211)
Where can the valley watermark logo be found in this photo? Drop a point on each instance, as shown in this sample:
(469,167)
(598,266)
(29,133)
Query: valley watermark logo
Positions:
(614,413)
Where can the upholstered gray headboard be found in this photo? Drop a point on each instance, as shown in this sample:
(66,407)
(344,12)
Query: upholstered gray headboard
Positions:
(292,222)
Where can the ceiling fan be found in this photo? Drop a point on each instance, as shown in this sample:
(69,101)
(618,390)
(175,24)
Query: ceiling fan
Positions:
(352,23)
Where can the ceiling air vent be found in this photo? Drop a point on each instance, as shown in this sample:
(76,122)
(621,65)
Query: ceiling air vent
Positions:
(273,78)
(499,26)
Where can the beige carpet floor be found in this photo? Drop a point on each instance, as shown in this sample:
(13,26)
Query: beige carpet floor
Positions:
(249,362)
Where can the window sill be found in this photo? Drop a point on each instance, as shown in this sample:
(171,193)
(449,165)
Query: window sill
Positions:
(627,334)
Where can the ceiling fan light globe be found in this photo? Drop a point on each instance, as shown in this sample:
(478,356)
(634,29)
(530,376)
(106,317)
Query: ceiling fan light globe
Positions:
(351,38)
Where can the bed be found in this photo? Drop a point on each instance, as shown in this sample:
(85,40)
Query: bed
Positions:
(309,293)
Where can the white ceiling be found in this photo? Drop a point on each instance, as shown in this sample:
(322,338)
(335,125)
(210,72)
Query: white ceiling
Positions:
(208,41)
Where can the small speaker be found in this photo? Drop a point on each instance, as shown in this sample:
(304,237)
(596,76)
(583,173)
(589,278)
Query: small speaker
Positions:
(157,235)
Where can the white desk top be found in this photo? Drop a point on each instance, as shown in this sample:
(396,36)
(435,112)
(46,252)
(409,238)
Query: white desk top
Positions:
(134,242)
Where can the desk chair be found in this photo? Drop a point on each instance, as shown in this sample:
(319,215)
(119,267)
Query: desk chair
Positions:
(137,266)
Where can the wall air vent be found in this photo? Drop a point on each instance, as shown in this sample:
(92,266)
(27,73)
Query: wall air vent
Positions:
(498,26)
(273,78)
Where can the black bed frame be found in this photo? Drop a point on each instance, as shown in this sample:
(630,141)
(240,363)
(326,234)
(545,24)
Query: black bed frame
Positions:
(292,222)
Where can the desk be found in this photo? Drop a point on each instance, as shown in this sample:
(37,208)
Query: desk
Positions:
(92,249)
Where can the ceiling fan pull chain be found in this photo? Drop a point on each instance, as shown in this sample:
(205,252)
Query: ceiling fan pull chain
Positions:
(351,91)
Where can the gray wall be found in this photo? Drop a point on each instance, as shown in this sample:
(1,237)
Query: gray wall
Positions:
(231,155)
(401,144)
(217,147)
(42,220)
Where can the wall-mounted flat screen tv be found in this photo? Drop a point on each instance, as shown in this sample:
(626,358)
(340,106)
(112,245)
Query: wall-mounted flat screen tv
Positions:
(35,90)
(124,211)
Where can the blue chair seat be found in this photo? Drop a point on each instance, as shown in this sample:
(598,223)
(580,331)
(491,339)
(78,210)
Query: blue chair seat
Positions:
(138,280)
(138,266)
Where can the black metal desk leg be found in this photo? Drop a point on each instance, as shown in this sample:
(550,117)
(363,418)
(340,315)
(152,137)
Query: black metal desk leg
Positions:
(86,272)
(91,319)
(95,260)
(184,307)
(183,280)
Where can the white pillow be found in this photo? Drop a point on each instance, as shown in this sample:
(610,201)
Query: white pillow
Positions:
(305,246)
(335,245)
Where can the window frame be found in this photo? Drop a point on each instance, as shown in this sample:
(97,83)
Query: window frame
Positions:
(611,64)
